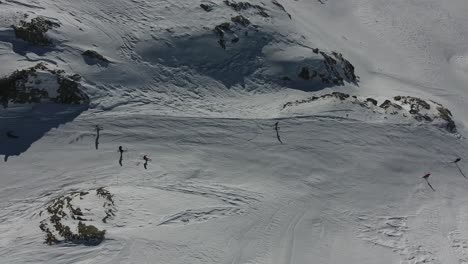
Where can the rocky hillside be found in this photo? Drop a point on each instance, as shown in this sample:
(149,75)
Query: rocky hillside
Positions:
(41,84)
(399,109)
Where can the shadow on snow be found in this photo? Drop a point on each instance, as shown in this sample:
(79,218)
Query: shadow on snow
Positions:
(21,126)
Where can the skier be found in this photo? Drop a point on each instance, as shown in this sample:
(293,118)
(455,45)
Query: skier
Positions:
(146,159)
(121,155)
(98,129)
(458,167)
(426,177)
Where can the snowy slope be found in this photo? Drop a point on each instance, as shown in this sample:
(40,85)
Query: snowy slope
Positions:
(201,92)
(226,191)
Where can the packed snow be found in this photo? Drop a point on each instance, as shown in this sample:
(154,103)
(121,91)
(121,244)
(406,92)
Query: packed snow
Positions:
(277,131)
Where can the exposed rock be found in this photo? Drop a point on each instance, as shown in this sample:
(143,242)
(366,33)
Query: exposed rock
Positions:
(387,104)
(207,8)
(35,31)
(401,108)
(221,30)
(94,55)
(281,7)
(446,115)
(372,100)
(337,95)
(241,20)
(304,74)
(64,221)
(241,6)
(334,70)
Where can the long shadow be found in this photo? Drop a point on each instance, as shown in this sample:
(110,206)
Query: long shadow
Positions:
(94,61)
(98,135)
(430,185)
(23,47)
(21,126)
(460,170)
(235,64)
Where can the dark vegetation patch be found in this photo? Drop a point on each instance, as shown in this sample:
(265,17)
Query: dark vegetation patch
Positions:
(23,86)
(94,55)
(35,31)
(66,222)
(243,6)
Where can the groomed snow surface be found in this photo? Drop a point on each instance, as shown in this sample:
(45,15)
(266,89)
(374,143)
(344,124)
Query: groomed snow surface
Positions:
(235,176)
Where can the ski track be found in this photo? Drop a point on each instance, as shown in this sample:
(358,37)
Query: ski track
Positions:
(339,187)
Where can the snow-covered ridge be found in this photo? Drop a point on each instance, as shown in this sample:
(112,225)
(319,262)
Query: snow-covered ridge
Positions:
(229,49)
(399,109)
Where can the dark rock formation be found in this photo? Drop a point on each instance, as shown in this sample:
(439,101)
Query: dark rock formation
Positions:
(241,20)
(22,87)
(241,6)
(207,8)
(35,31)
(94,55)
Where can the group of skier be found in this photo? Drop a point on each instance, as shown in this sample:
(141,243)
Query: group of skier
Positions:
(146,159)
(427,175)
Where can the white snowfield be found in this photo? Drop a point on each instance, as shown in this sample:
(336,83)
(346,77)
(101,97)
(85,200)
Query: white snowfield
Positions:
(244,167)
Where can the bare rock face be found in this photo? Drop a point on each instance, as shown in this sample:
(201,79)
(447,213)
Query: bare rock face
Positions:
(241,20)
(335,69)
(207,8)
(39,84)
(94,55)
(35,30)
(241,6)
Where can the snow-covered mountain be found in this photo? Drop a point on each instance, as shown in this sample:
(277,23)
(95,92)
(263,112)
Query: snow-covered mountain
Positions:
(278,131)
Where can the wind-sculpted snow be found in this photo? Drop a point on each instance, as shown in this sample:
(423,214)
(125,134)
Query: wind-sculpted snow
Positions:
(232,131)
(214,184)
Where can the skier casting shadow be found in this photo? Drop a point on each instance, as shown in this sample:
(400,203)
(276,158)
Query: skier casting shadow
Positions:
(458,167)
(426,177)
(121,155)
(146,159)
(98,129)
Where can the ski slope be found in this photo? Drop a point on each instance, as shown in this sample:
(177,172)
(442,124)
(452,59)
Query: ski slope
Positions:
(344,184)
(226,191)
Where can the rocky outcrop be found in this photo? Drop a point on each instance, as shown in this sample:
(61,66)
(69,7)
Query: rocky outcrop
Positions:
(227,30)
(400,107)
(337,95)
(206,7)
(335,69)
(281,7)
(35,30)
(94,55)
(38,84)
(66,222)
(242,6)
(241,20)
